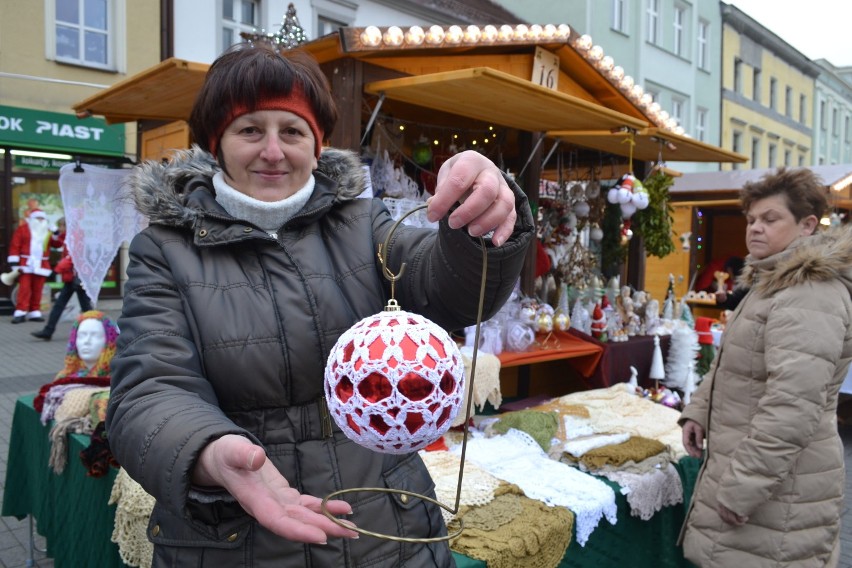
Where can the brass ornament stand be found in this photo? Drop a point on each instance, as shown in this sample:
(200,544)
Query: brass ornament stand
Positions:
(393,305)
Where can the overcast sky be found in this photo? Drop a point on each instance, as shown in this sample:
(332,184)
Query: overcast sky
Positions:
(820,29)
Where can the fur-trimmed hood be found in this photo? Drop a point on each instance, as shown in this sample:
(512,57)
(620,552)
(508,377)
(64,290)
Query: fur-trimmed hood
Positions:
(161,190)
(827,255)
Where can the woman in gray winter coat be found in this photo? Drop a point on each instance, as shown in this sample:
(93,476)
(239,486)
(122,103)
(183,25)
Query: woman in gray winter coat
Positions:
(257,258)
(770,490)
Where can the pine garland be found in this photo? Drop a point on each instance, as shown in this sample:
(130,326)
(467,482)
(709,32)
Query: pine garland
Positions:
(654,222)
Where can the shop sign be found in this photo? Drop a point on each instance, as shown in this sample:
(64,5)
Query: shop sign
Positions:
(545,69)
(39,163)
(44,130)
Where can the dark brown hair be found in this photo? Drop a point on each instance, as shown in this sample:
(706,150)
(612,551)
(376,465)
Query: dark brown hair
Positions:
(248,73)
(802,189)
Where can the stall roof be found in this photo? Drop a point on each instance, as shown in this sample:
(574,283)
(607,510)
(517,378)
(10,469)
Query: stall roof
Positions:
(715,187)
(649,144)
(494,96)
(836,177)
(165,91)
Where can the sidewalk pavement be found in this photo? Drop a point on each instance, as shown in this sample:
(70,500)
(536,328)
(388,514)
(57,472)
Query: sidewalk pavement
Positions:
(27,363)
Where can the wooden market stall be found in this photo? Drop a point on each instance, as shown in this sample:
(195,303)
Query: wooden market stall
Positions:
(506,89)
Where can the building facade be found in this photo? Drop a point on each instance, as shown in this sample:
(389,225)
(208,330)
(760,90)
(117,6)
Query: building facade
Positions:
(832,116)
(52,54)
(768,92)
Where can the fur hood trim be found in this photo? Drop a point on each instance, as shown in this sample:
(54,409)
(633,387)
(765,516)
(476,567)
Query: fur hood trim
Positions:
(160,189)
(824,256)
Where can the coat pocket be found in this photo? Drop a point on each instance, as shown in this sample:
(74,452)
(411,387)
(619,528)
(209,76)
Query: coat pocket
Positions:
(178,542)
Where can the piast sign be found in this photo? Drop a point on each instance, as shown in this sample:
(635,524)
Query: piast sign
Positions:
(44,130)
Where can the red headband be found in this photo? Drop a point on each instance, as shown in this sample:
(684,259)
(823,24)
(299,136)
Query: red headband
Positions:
(295,102)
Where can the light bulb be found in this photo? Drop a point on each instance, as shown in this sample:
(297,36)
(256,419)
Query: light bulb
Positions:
(535,32)
(548,31)
(506,33)
(489,34)
(435,35)
(563,31)
(415,35)
(393,36)
(454,34)
(521,32)
(596,53)
(472,34)
(371,36)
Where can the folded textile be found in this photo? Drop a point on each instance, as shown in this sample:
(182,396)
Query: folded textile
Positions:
(478,485)
(580,446)
(76,402)
(514,531)
(514,456)
(541,426)
(636,448)
(649,492)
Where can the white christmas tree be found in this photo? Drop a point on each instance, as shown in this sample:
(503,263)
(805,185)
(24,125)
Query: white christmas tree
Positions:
(682,351)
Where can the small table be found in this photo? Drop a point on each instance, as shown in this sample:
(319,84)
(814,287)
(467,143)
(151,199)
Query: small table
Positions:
(71,509)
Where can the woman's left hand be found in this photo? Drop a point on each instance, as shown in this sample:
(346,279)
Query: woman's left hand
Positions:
(487,202)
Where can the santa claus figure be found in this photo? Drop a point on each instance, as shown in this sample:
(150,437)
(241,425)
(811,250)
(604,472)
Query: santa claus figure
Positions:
(28,254)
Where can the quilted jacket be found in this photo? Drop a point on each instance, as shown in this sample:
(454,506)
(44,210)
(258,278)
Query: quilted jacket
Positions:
(226,329)
(768,407)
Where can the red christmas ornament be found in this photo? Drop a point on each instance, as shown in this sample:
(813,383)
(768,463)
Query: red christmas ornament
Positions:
(394,382)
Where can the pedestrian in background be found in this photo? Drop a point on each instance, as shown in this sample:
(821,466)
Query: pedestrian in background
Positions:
(770,490)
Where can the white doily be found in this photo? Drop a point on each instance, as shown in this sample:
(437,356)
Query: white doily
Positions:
(99,216)
(517,458)
(133,509)
(649,492)
(477,484)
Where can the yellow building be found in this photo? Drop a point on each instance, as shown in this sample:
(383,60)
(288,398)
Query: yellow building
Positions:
(52,54)
(767,95)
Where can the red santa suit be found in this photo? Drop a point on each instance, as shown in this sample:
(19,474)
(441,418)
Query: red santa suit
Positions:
(28,253)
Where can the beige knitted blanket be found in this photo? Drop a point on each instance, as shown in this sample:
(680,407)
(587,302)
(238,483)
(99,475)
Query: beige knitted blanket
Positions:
(133,509)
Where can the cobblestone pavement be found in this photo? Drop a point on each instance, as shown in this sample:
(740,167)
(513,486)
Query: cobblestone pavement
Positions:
(26,363)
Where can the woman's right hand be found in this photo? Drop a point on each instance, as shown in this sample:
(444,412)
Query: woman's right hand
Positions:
(693,438)
(242,468)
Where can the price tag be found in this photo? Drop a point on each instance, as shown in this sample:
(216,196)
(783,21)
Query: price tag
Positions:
(545,69)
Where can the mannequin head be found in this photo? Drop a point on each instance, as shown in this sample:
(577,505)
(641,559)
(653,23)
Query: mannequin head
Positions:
(90,347)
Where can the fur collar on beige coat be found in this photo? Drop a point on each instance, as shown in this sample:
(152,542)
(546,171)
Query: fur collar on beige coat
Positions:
(768,406)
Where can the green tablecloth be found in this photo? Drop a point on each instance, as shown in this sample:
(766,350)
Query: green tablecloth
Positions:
(631,541)
(70,509)
(72,512)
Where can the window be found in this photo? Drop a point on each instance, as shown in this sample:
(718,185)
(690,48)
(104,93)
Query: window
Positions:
(803,108)
(823,116)
(326,25)
(801,160)
(788,102)
(788,158)
(677,111)
(703,38)
(701,124)
(738,75)
(84,33)
(847,135)
(773,151)
(835,122)
(238,16)
(679,18)
(618,15)
(755,85)
(654,21)
(773,93)
(755,152)
(736,146)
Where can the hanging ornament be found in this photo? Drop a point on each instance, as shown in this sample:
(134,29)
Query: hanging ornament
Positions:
(596,233)
(581,209)
(422,152)
(394,382)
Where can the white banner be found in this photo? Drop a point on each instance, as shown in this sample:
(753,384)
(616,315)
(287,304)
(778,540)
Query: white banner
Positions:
(99,217)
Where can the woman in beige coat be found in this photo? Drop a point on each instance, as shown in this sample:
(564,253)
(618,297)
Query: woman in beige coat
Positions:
(770,491)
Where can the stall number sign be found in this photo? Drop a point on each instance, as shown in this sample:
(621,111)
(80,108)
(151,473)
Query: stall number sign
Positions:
(56,131)
(545,69)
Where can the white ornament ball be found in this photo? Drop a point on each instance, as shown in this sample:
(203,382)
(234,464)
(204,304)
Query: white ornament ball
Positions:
(627,210)
(582,208)
(596,233)
(519,336)
(394,382)
(612,195)
(641,200)
(624,195)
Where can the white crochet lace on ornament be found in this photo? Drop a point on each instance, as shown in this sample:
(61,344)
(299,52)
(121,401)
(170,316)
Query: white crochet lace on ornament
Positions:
(477,484)
(394,382)
(517,458)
